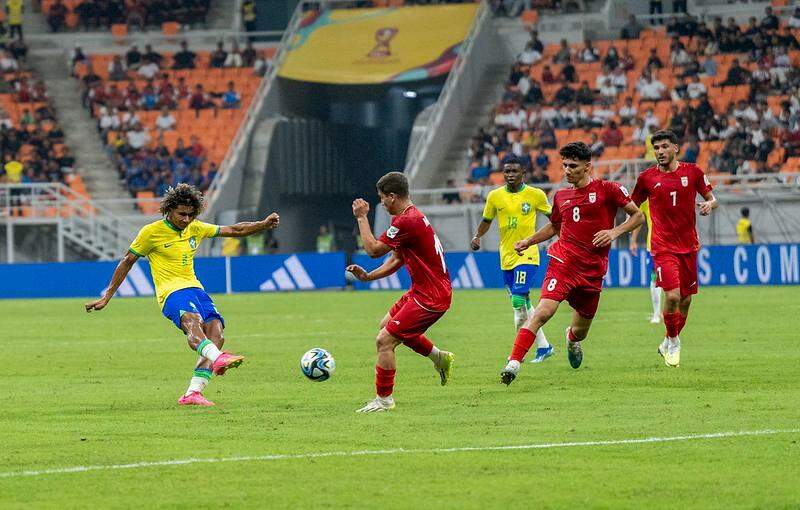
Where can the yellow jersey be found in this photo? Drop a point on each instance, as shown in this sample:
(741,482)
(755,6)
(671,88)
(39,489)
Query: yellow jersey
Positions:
(645,208)
(14,8)
(743,231)
(516,218)
(171,254)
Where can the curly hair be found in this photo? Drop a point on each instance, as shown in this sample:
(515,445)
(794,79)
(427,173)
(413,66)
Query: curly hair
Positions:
(182,194)
(578,151)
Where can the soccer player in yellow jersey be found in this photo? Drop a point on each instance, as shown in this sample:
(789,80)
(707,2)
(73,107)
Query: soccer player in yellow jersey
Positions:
(744,228)
(655,292)
(170,245)
(515,205)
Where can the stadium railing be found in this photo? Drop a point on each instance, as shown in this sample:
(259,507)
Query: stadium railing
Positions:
(86,223)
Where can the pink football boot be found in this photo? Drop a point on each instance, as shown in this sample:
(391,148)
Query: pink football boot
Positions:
(226,361)
(195,398)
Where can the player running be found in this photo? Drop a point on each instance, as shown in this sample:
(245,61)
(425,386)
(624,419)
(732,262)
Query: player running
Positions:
(413,242)
(170,245)
(583,219)
(655,292)
(515,206)
(671,187)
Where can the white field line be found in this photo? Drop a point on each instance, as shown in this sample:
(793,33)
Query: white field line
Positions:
(393,451)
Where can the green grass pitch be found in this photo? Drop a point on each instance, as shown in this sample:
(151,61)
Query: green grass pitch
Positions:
(101,389)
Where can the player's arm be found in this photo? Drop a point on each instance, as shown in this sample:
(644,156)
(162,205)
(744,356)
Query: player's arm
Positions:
(374,247)
(635,219)
(634,245)
(483,227)
(117,278)
(709,205)
(389,267)
(246,228)
(543,234)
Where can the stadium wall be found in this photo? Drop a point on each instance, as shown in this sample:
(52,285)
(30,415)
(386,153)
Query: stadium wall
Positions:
(766,264)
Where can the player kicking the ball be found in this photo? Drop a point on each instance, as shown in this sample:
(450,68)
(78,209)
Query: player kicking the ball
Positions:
(413,243)
(515,205)
(671,188)
(583,219)
(170,245)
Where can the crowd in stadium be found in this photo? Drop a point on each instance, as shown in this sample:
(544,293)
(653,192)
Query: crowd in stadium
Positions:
(98,14)
(620,105)
(143,81)
(31,140)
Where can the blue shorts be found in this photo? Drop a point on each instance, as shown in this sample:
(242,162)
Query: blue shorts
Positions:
(518,280)
(191,300)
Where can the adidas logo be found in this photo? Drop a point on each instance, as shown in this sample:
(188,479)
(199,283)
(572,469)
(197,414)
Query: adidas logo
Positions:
(135,284)
(290,276)
(390,282)
(468,276)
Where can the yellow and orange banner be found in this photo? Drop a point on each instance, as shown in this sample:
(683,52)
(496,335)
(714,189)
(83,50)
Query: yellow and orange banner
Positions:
(352,46)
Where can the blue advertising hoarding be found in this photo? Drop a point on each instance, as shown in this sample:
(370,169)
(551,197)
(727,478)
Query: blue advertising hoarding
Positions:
(766,264)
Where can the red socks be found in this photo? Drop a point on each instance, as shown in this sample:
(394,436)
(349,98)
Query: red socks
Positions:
(681,322)
(571,336)
(673,323)
(522,344)
(421,345)
(384,381)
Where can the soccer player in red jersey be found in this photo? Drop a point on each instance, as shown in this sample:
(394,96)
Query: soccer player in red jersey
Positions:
(671,187)
(413,242)
(583,219)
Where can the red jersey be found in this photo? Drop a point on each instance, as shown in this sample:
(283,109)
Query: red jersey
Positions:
(413,238)
(581,213)
(672,206)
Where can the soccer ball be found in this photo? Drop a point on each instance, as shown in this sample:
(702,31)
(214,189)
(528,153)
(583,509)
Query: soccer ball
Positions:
(317,364)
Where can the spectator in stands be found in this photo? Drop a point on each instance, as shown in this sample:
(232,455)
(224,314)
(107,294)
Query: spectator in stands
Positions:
(136,14)
(14,10)
(612,135)
(478,172)
(535,94)
(261,65)
(691,151)
(218,56)
(451,197)
(608,92)
(564,54)
(770,21)
(108,121)
(249,15)
(679,57)
(584,95)
(565,94)
(596,146)
(152,55)
(680,91)
(627,62)
(234,58)
(66,161)
(88,14)
(165,121)
(149,69)
(249,55)
(627,112)
(529,55)
(737,75)
(654,61)
(197,150)
(184,59)
(632,29)
(650,89)
(619,80)
(116,69)
(588,53)
(709,66)
(611,60)
(794,20)
(8,63)
(133,58)
(57,15)
(137,137)
(231,98)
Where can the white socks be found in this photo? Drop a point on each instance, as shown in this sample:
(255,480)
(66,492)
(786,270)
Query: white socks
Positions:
(655,296)
(196,384)
(520,316)
(208,350)
(434,355)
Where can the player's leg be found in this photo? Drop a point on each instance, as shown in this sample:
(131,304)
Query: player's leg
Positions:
(202,373)
(409,325)
(689,286)
(385,368)
(584,301)
(655,296)
(520,289)
(668,278)
(525,337)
